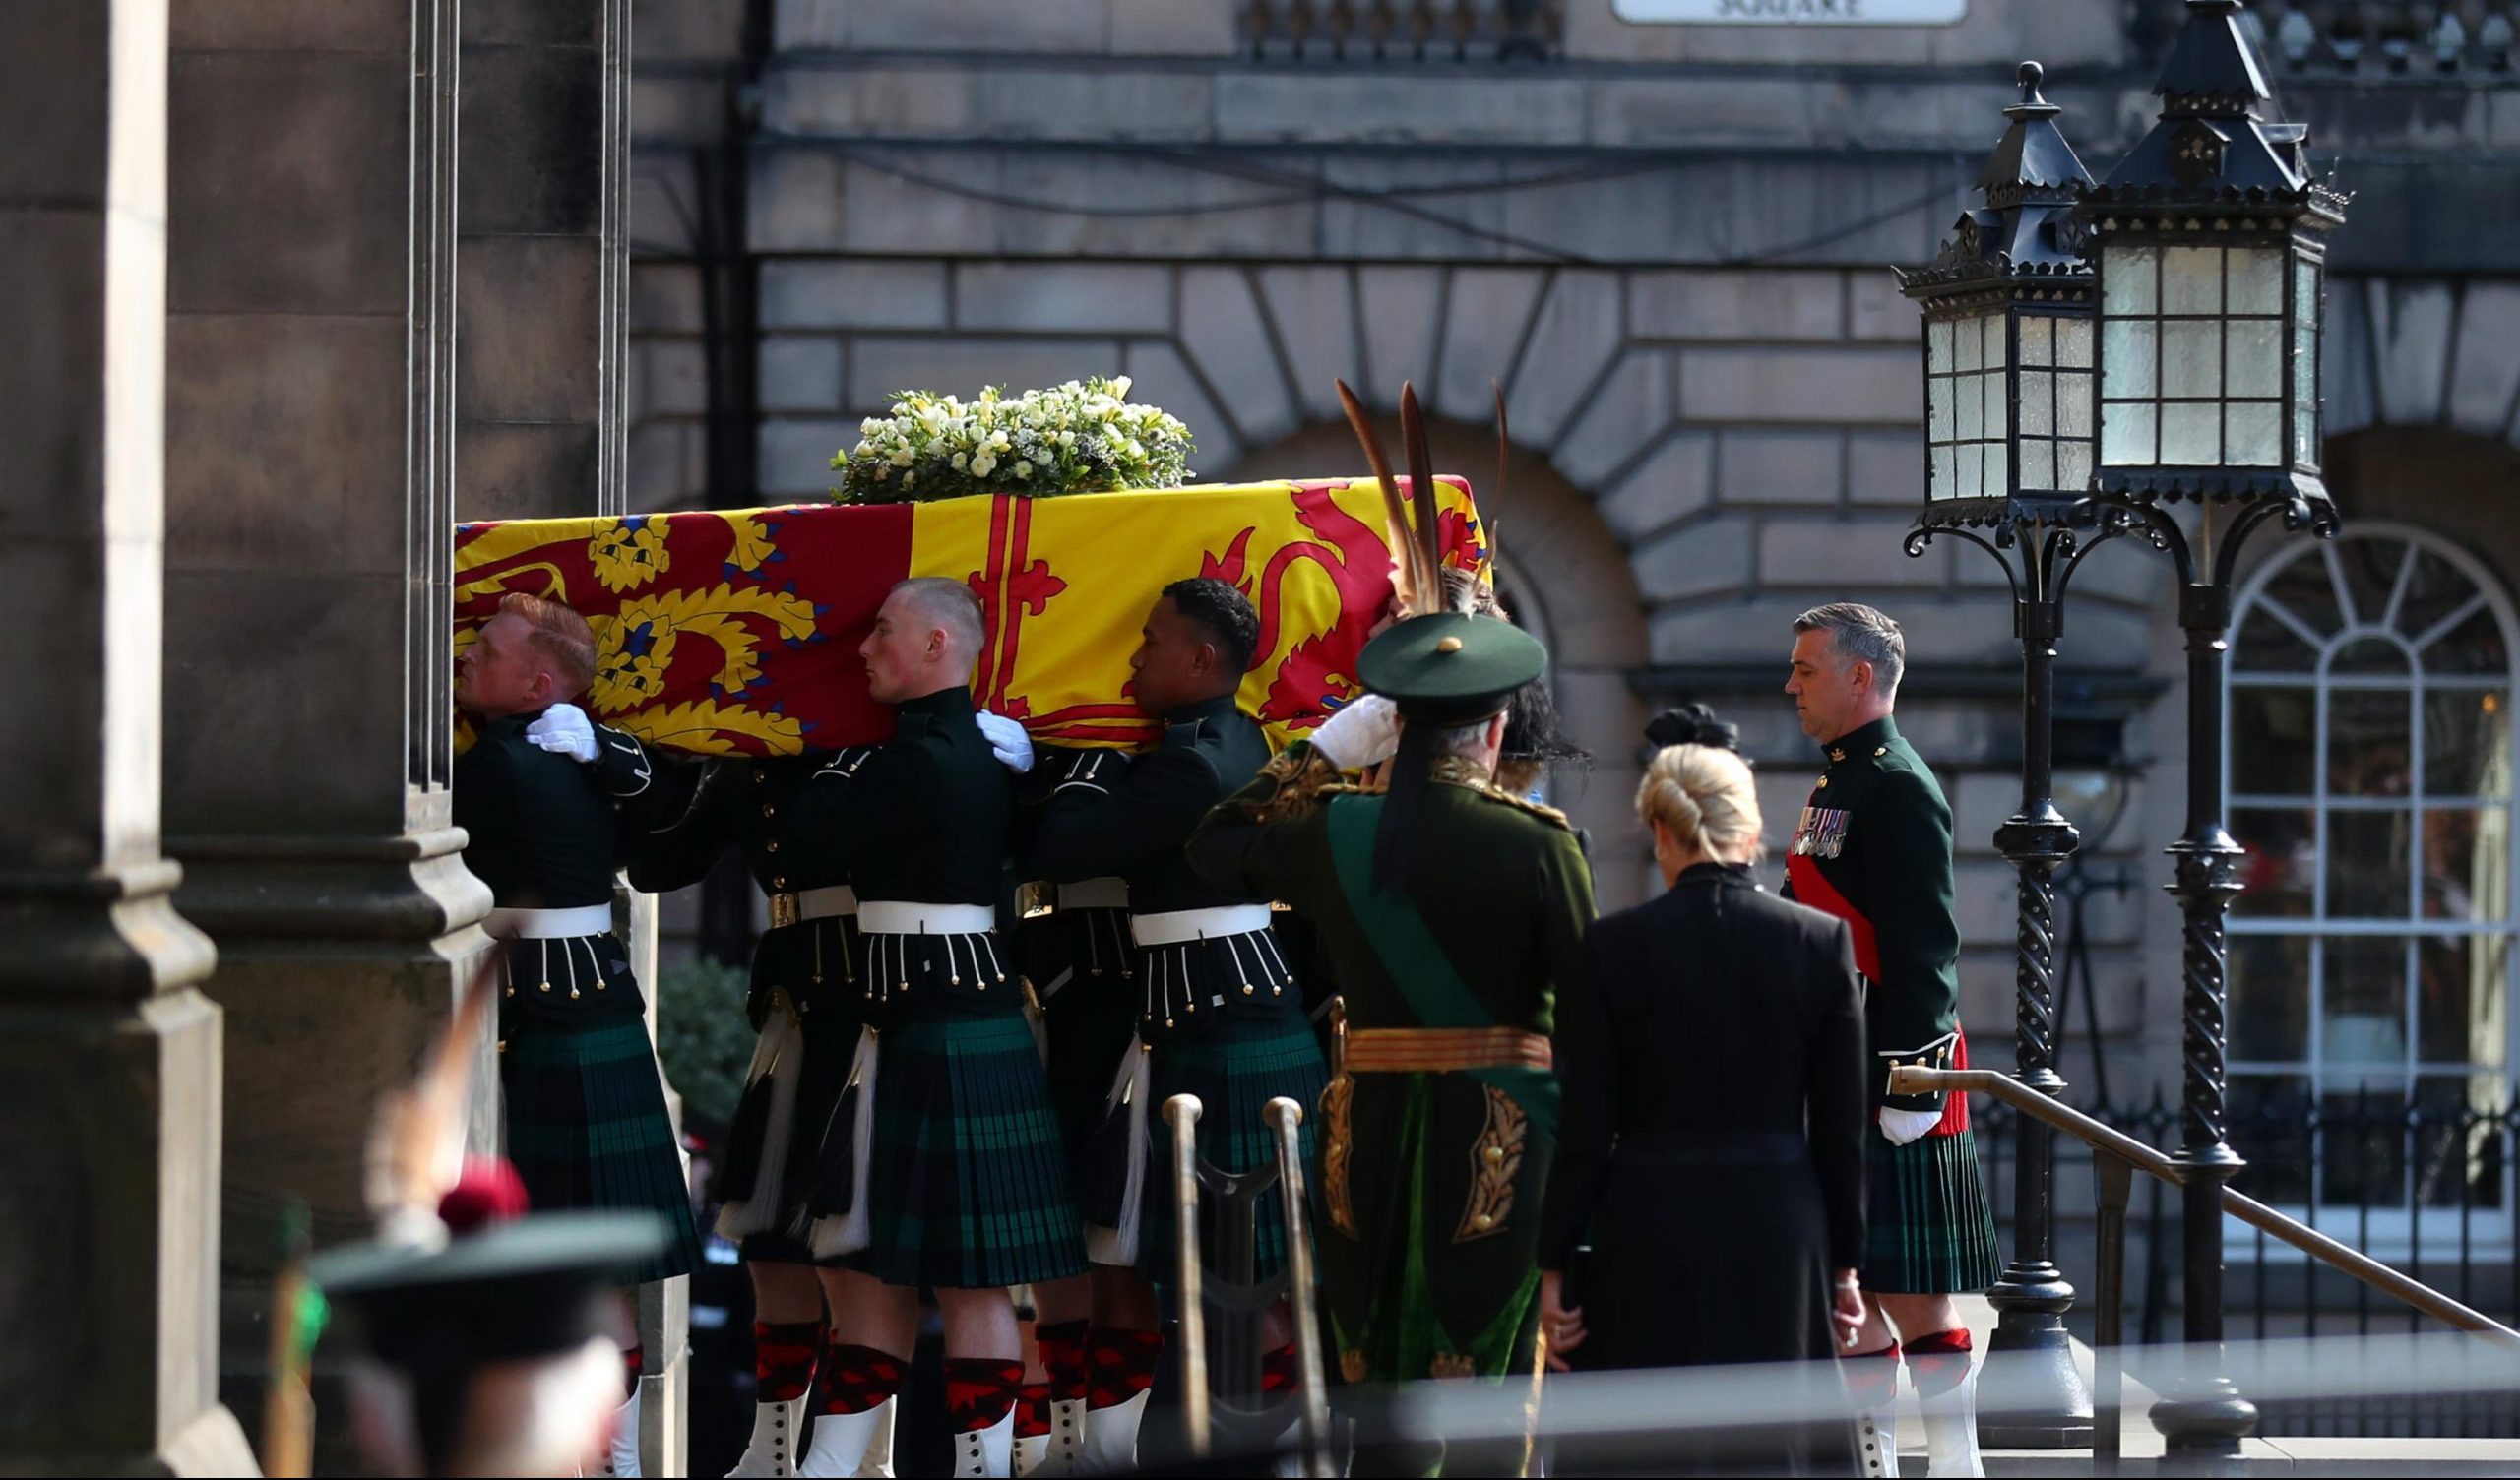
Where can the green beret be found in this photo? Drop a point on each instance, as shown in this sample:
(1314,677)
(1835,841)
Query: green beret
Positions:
(1451,668)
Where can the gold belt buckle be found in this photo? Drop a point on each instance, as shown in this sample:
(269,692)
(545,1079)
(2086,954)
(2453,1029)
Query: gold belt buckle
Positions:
(785,910)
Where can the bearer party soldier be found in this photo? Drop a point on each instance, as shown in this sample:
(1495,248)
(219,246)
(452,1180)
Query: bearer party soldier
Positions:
(586,1119)
(1219,1013)
(1451,912)
(959,1183)
(1874,847)
(811,1013)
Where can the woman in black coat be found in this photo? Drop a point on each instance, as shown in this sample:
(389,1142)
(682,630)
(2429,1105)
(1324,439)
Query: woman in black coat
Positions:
(1711,1150)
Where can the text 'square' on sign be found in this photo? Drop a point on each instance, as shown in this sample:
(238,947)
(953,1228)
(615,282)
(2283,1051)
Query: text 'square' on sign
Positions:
(2009,348)
(2209,243)
(1790,12)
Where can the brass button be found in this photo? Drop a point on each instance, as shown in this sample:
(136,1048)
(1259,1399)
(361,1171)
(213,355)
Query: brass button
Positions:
(573,994)
(1494,1154)
(1485,1221)
(767,810)
(759,776)
(546,986)
(1824,781)
(778,880)
(772,845)
(510,991)
(598,983)
(1882,750)
(1246,989)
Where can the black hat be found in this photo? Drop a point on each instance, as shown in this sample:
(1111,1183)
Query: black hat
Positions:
(1451,668)
(539,1286)
(528,1289)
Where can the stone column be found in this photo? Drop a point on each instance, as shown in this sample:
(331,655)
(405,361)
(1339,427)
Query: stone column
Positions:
(309,498)
(540,389)
(109,1057)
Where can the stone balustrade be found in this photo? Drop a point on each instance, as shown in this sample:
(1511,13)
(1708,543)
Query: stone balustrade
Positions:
(1402,31)
(2417,39)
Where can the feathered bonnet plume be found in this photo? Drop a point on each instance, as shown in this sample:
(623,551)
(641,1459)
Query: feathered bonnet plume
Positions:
(1410,525)
(415,1146)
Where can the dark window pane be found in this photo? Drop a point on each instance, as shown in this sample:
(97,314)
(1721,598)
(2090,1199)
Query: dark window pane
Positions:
(2281,869)
(2371,568)
(2362,1009)
(2474,646)
(2273,740)
(2466,742)
(2467,854)
(2370,656)
(2363,1143)
(2367,859)
(2270,1127)
(2367,741)
(2456,1143)
(2267,645)
(2435,589)
(2304,588)
(2270,998)
(2459,1000)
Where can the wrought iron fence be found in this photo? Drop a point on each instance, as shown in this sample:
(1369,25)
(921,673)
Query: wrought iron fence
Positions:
(2425,1184)
(2477,40)
(1403,30)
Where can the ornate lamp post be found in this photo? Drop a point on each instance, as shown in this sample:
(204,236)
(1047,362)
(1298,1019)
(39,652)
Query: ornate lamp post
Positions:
(2010,434)
(2207,243)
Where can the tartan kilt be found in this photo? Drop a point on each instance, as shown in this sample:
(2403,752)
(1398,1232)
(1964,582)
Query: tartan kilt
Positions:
(1087,966)
(1927,1227)
(969,1184)
(1236,1066)
(587,1128)
(828,1029)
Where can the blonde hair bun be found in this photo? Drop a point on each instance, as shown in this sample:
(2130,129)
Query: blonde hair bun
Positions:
(1703,795)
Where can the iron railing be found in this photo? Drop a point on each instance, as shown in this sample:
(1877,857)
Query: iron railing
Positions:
(2426,1186)
(2476,40)
(1403,30)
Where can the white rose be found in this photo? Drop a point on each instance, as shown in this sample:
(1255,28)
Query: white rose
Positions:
(901,457)
(1023,470)
(983,464)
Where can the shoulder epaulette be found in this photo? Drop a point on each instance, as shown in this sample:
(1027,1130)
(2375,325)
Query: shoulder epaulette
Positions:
(1541,810)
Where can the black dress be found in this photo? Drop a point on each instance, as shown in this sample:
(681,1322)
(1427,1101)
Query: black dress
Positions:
(1711,1142)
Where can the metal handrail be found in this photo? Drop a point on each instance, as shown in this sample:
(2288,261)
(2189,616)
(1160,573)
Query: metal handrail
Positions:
(2143,1158)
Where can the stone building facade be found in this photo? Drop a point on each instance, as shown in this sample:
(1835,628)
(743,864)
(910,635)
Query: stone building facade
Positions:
(1671,245)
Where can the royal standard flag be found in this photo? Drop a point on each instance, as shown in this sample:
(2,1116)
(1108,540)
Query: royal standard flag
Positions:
(737,632)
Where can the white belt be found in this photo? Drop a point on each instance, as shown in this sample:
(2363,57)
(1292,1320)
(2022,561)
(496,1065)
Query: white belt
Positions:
(1173,927)
(812,904)
(1095,893)
(549,924)
(908,917)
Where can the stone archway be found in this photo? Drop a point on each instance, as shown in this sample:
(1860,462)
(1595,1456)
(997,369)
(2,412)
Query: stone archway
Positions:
(1568,580)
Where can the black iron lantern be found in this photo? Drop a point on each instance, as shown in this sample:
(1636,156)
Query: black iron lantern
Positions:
(2207,239)
(2009,343)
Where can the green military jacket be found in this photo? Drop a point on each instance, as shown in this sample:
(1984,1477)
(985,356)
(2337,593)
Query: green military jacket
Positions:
(1874,847)
(1431,1182)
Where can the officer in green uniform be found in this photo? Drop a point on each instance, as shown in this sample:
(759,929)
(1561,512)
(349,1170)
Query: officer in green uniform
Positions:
(1218,1011)
(1874,847)
(1451,912)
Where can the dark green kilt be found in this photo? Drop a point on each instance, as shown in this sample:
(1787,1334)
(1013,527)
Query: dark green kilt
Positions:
(587,1128)
(1236,1066)
(1085,968)
(1928,1231)
(969,1186)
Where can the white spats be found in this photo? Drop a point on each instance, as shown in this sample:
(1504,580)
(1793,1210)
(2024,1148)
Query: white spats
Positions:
(1111,1437)
(877,1461)
(771,1452)
(840,1442)
(623,1459)
(986,1452)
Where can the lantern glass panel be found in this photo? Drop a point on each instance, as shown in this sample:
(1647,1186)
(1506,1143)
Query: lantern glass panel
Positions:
(2073,344)
(1971,340)
(2073,466)
(2038,399)
(2192,280)
(1971,468)
(1938,347)
(1945,484)
(1938,411)
(2253,434)
(1992,327)
(2038,464)
(2128,281)
(2256,279)
(2128,370)
(2191,434)
(2192,358)
(2126,435)
(2038,340)
(1999,472)
(2254,357)
(1998,408)
(1972,410)
(2073,405)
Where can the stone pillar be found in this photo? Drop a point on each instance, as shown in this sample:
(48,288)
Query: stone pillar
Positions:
(109,1057)
(540,389)
(310,315)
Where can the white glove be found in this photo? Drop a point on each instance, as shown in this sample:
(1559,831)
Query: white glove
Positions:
(564,730)
(1366,733)
(1008,741)
(1899,1127)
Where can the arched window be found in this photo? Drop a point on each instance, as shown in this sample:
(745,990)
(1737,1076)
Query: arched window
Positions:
(2369,756)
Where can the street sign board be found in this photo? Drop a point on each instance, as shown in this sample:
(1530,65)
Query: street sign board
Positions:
(1790,12)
